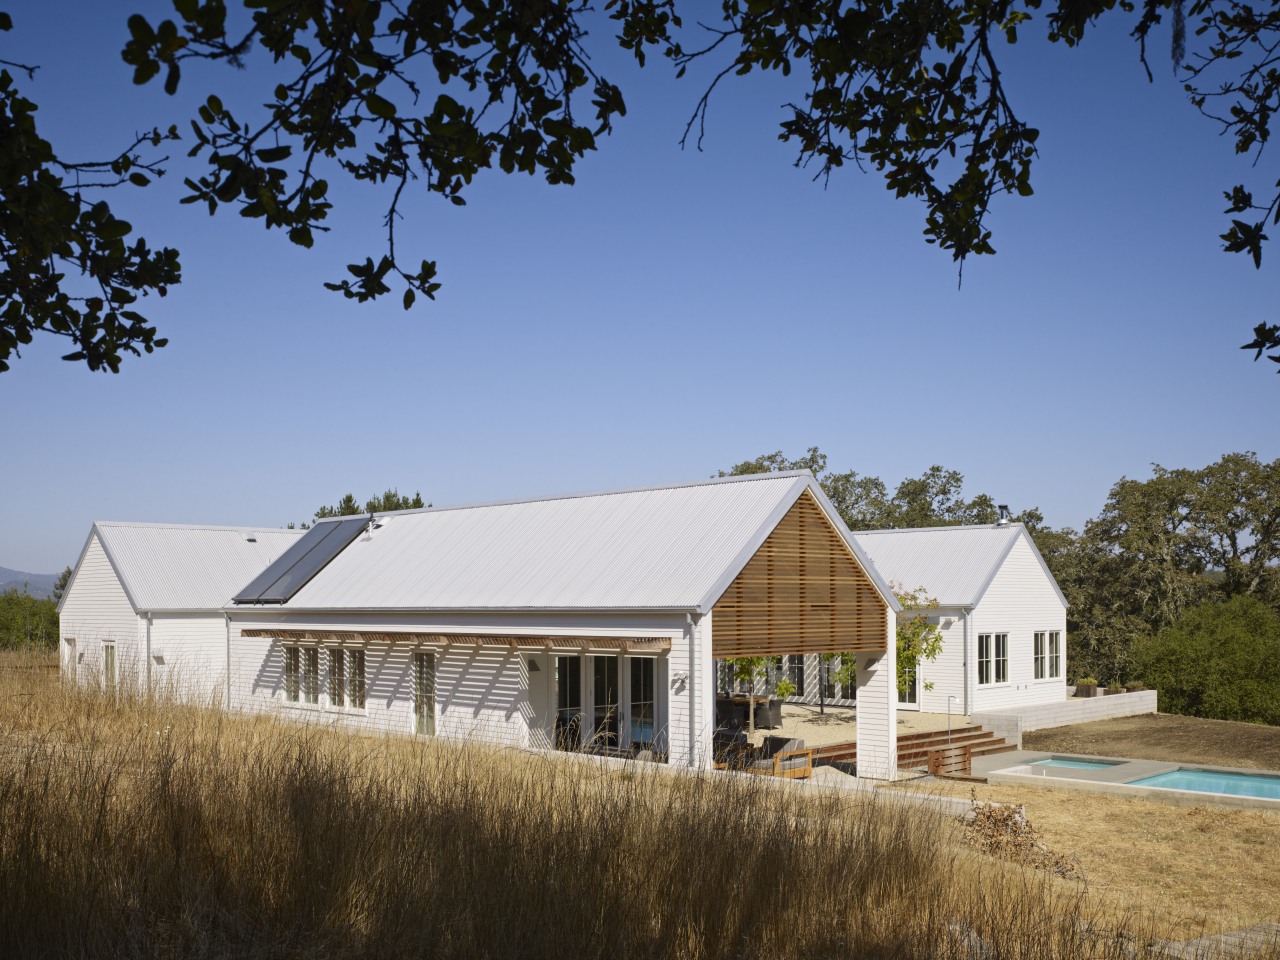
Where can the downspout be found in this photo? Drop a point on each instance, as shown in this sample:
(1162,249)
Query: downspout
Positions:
(968,664)
(694,706)
(148,653)
(227,618)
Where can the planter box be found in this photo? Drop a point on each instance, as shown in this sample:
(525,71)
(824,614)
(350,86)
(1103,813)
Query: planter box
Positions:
(1086,689)
(1110,692)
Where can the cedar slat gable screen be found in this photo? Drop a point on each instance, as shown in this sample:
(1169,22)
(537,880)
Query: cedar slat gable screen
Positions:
(802,592)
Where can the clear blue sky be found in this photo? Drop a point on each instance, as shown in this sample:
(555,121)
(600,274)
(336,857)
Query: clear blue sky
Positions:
(671,314)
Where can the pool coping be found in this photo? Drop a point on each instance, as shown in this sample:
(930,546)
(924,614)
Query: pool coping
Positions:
(1116,780)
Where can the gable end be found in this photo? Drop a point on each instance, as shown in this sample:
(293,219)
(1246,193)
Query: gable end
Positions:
(802,591)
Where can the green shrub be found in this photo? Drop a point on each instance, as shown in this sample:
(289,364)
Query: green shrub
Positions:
(27,621)
(1219,660)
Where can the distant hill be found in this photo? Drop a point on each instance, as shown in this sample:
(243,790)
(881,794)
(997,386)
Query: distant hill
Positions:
(36,584)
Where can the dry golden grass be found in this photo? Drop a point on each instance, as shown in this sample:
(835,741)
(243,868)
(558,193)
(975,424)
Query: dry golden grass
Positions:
(1193,870)
(143,829)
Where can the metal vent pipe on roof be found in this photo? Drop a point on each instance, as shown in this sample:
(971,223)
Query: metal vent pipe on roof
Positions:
(1003,520)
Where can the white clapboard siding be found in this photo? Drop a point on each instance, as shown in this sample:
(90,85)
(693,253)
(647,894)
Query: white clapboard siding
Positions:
(1020,601)
(95,611)
(189,657)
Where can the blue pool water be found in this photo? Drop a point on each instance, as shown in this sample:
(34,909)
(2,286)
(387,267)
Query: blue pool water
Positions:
(1206,781)
(1074,764)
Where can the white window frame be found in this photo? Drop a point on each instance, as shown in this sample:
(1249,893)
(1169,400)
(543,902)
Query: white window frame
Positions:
(1055,655)
(350,677)
(1040,655)
(993,653)
(301,675)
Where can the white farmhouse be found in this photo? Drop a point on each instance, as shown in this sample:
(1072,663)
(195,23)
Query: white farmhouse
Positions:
(1003,618)
(145,604)
(567,620)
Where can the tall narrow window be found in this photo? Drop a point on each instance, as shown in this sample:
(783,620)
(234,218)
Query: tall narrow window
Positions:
(1039,655)
(292,673)
(109,667)
(795,672)
(910,695)
(604,673)
(355,679)
(1055,654)
(311,674)
(424,692)
(1002,658)
(568,703)
(337,678)
(984,658)
(643,692)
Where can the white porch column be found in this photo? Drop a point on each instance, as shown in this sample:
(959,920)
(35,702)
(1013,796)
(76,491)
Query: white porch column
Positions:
(878,709)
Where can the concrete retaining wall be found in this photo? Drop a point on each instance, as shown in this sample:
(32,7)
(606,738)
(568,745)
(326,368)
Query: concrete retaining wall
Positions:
(1012,722)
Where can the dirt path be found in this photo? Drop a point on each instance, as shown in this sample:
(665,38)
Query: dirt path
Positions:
(1164,736)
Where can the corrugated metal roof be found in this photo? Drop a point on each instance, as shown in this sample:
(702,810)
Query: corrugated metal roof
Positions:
(953,564)
(175,567)
(655,548)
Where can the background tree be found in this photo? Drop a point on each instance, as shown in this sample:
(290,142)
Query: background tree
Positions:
(27,621)
(1219,660)
(934,499)
(436,94)
(1161,547)
(919,637)
(60,585)
(347,506)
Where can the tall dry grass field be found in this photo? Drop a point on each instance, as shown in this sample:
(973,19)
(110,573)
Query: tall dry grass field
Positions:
(131,828)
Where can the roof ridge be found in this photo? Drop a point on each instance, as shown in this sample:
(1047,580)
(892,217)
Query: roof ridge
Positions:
(222,528)
(583,495)
(1012,524)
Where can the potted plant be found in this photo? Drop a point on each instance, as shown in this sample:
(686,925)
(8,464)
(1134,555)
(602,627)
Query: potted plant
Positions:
(1087,687)
(1136,686)
(784,689)
(1114,687)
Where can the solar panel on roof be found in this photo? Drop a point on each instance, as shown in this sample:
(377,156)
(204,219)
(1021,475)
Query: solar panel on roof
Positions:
(302,561)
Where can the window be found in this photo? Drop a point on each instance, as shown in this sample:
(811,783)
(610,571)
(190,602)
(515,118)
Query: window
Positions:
(993,658)
(424,692)
(311,674)
(568,703)
(302,674)
(1055,654)
(109,667)
(1039,655)
(355,679)
(604,670)
(643,693)
(909,696)
(795,672)
(292,673)
(337,678)
(346,678)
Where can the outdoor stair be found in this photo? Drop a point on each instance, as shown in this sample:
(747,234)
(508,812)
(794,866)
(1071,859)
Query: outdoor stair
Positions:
(913,748)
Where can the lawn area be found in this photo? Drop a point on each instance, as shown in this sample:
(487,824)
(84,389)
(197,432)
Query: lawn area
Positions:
(1164,736)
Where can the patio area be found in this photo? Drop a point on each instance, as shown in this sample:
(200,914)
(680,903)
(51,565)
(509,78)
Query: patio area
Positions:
(839,724)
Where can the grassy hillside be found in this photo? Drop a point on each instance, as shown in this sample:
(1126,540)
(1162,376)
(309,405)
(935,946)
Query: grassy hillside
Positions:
(135,829)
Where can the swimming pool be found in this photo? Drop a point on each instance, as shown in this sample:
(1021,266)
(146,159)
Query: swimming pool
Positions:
(1208,781)
(1069,764)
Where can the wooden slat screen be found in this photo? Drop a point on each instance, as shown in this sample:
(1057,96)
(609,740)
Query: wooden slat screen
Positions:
(802,592)
(621,644)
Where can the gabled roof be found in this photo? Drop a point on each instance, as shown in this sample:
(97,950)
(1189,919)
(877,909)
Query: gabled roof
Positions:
(668,548)
(172,567)
(955,565)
